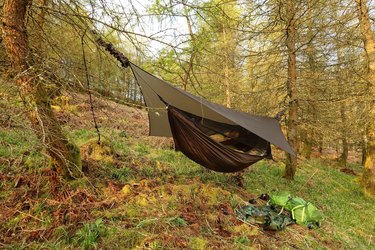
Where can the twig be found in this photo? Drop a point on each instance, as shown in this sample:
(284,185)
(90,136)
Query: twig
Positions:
(41,125)
(249,224)
(36,218)
(208,224)
(304,184)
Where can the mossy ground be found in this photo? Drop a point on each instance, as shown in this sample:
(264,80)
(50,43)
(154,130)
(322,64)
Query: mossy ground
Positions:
(138,193)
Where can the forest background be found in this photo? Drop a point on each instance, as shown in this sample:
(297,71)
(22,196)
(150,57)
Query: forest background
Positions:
(313,60)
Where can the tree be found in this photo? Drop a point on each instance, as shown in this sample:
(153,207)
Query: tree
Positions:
(65,156)
(290,9)
(369,47)
(3,57)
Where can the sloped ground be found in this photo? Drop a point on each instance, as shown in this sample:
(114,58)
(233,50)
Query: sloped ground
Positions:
(138,193)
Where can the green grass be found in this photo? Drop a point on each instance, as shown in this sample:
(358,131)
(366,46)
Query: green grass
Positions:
(147,197)
(349,215)
(17,151)
(179,183)
(15,142)
(88,236)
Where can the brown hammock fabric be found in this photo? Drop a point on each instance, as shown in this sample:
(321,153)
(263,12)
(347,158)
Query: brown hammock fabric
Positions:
(199,147)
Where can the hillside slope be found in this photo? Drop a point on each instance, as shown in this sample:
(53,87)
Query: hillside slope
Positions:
(138,193)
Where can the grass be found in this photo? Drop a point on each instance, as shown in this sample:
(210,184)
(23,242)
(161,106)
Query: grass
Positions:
(348,213)
(89,234)
(172,203)
(169,194)
(142,196)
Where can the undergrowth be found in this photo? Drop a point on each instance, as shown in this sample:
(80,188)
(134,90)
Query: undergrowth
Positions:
(141,194)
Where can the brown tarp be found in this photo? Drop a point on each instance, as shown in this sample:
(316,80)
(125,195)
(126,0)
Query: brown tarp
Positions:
(155,90)
(158,94)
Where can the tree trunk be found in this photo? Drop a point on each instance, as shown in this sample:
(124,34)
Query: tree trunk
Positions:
(291,161)
(228,101)
(341,74)
(39,31)
(369,45)
(308,133)
(345,146)
(307,146)
(363,146)
(344,153)
(189,69)
(320,144)
(65,156)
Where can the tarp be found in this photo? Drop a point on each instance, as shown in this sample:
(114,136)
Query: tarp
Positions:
(158,94)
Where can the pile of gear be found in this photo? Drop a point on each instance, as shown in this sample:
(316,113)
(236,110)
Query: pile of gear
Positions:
(281,210)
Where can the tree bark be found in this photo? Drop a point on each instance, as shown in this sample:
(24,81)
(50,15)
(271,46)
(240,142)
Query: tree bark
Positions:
(291,31)
(307,134)
(345,146)
(40,19)
(307,146)
(189,69)
(65,156)
(368,38)
(228,99)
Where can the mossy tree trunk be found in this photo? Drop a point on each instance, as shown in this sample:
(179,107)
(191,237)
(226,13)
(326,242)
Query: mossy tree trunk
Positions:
(369,46)
(65,156)
(291,32)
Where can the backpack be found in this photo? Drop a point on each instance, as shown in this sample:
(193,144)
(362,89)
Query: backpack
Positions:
(303,212)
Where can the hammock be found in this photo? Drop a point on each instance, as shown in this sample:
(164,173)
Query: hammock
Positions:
(195,144)
(216,137)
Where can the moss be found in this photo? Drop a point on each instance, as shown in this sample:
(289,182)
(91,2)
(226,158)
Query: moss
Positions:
(145,200)
(131,239)
(198,243)
(126,190)
(102,152)
(245,230)
(131,210)
(62,103)
(213,195)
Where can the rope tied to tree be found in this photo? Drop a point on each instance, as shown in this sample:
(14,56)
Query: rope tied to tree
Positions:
(109,47)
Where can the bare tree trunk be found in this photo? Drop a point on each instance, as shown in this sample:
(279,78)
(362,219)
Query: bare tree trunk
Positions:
(363,146)
(228,101)
(64,155)
(189,68)
(307,133)
(345,146)
(291,161)
(369,44)
(341,74)
(320,144)
(306,148)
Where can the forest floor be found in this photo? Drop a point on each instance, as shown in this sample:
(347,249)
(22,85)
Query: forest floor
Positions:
(138,193)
